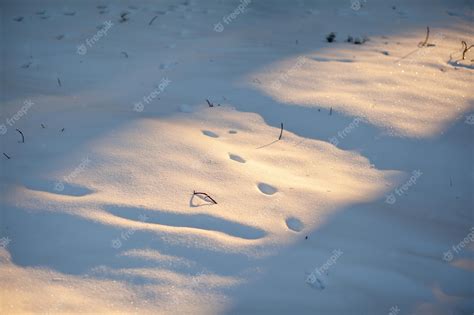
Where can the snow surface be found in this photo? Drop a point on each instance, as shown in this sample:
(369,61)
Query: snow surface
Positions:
(365,206)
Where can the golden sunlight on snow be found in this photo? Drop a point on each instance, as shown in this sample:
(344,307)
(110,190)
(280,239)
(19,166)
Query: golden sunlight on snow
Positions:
(406,90)
(290,178)
(57,293)
(123,195)
(267,196)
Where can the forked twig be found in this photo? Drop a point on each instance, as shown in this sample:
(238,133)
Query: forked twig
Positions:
(22,136)
(206,195)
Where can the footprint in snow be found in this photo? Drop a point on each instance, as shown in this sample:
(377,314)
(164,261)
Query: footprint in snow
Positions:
(210,134)
(294,224)
(267,189)
(236,158)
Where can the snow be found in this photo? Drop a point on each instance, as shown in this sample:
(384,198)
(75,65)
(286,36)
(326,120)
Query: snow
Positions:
(364,206)
(185,108)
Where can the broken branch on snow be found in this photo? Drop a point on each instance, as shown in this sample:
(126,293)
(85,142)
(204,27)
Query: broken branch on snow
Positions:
(424,43)
(465,49)
(153,19)
(205,195)
(22,136)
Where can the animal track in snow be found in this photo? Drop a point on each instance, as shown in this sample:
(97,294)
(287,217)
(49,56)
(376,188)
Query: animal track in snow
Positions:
(210,134)
(267,189)
(294,224)
(236,158)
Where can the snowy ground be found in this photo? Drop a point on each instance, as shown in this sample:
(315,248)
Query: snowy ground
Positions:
(365,206)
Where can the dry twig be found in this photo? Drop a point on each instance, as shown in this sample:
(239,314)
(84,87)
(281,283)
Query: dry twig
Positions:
(153,19)
(209,103)
(465,49)
(22,136)
(206,195)
(422,44)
